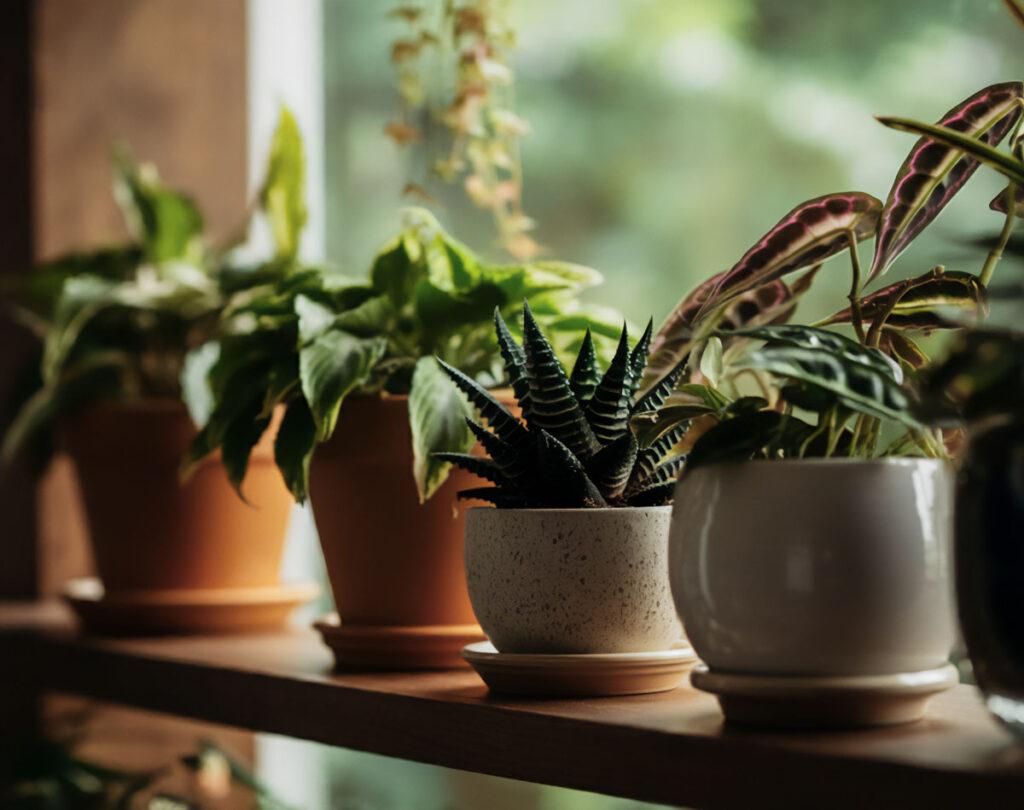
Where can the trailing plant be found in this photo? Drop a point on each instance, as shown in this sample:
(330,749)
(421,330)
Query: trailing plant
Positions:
(848,387)
(118,322)
(574,446)
(312,338)
(457,105)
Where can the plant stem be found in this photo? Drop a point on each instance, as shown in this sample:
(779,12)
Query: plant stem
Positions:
(1004,236)
(855,314)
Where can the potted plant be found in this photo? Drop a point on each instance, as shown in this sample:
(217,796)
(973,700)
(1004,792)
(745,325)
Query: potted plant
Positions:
(118,324)
(571,565)
(809,554)
(366,404)
(979,385)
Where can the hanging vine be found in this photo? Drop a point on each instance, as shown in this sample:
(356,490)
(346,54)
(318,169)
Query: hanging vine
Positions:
(456,102)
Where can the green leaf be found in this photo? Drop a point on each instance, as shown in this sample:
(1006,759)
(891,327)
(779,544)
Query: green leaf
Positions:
(315,318)
(515,362)
(811,337)
(371,317)
(283,195)
(935,171)
(553,407)
(608,409)
(565,482)
(81,299)
(330,367)
(610,467)
(737,439)
(807,235)
(586,373)
(711,364)
(394,274)
(240,437)
(507,427)
(657,452)
(294,446)
(166,224)
(857,385)
(195,383)
(437,415)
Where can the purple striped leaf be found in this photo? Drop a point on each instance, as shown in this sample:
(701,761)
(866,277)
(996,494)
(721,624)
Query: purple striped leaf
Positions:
(807,235)
(919,303)
(934,172)
(902,349)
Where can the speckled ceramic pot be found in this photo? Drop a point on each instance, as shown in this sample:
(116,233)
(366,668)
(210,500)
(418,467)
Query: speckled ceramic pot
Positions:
(572,580)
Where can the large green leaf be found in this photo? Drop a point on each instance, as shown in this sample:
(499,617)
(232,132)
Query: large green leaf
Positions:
(330,367)
(807,235)
(294,446)
(856,385)
(196,390)
(811,337)
(283,195)
(935,171)
(166,224)
(923,303)
(437,415)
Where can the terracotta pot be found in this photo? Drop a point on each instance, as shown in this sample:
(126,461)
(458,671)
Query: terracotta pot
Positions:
(395,565)
(577,581)
(149,532)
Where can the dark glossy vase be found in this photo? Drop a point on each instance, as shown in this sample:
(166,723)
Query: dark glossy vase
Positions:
(990,566)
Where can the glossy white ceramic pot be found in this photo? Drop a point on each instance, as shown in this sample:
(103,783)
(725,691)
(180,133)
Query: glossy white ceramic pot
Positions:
(572,580)
(815,567)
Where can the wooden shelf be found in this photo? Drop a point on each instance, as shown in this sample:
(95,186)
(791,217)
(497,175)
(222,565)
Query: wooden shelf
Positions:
(671,748)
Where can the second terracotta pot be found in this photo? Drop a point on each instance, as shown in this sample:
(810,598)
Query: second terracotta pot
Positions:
(395,565)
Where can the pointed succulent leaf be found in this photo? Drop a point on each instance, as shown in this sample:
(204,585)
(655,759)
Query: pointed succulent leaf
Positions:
(609,408)
(515,361)
(660,391)
(611,466)
(563,477)
(935,171)
(330,367)
(638,357)
(553,407)
(657,495)
(657,452)
(437,418)
(498,417)
(586,373)
(485,468)
(857,385)
(919,303)
(293,448)
(515,463)
(807,235)
(665,472)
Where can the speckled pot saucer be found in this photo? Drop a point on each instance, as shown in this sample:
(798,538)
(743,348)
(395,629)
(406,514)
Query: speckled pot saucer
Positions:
(587,675)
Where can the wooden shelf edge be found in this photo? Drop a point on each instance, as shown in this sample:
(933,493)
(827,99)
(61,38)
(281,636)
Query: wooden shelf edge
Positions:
(670,749)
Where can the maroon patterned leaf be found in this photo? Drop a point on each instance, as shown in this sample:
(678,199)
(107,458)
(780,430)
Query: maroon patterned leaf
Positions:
(999,202)
(807,235)
(917,303)
(902,349)
(933,173)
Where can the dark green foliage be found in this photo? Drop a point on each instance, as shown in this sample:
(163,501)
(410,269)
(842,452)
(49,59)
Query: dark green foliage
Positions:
(574,446)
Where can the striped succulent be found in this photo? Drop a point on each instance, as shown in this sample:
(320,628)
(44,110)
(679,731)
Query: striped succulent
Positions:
(573,445)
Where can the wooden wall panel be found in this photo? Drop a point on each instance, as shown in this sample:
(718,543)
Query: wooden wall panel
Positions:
(168,77)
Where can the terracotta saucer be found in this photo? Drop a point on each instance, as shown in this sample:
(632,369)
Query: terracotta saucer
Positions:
(203,610)
(365,646)
(824,702)
(591,675)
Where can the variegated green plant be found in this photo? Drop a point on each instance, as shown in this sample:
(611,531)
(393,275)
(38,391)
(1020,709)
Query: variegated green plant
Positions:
(307,341)
(754,292)
(574,445)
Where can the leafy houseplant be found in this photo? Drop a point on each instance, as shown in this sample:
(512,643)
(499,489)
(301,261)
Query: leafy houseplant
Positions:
(118,324)
(980,384)
(366,404)
(818,411)
(573,558)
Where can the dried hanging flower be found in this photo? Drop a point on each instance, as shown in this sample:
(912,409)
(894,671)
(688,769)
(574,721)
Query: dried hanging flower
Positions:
(452,72)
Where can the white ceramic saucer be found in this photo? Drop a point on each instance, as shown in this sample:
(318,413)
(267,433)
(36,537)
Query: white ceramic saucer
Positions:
(824,702)
(200,610)
(592,675)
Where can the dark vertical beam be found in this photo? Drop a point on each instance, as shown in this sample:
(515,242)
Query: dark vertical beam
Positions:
(19,570)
